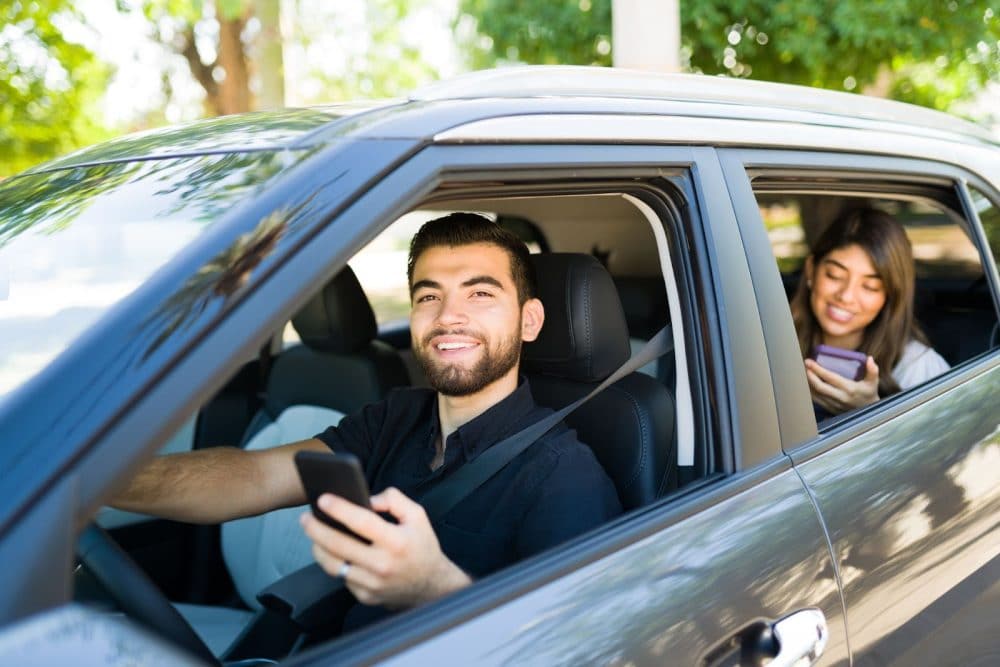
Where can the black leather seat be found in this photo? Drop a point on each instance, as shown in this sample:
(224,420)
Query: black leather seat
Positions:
(630,425)
(339,365)
(338,368)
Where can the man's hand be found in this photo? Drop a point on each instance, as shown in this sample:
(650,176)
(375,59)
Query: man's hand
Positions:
(836,393)
(402,567)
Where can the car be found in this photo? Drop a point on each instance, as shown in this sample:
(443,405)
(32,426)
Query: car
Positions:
(155,295)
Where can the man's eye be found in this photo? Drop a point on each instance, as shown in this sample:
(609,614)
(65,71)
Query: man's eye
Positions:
(426,297)
(482,294)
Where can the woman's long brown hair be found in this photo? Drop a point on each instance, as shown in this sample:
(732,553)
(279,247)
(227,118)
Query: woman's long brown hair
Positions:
(882,237)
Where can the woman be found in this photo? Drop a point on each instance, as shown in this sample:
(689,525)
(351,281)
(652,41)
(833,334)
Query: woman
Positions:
(857,294)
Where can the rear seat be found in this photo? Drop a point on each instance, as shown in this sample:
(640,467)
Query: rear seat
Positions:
(960,325)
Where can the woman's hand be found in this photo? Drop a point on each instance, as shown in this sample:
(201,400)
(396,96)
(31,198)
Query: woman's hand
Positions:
(837,394)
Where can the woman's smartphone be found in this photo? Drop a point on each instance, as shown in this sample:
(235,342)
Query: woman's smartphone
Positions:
(847,363)
(339,474)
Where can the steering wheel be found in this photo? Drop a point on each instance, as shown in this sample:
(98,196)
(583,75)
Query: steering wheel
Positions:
(135,592)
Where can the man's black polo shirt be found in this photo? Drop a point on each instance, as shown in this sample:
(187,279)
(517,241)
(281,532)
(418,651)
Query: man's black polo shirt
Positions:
(552,491)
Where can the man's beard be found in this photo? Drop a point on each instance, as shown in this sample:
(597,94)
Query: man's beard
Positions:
(454,380)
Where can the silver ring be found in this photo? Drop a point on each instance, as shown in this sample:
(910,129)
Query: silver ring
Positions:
(344,569)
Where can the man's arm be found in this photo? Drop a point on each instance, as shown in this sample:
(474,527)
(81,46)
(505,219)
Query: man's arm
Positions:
(217,484)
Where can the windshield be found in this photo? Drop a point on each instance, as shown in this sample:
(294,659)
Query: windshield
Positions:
(74,242)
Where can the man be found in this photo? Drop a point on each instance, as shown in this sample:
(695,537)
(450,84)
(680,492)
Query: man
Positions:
(473,304)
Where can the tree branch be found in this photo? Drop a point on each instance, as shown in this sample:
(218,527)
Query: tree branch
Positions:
(201,72)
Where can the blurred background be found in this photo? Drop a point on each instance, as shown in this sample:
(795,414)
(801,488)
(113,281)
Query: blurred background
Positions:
(74,72)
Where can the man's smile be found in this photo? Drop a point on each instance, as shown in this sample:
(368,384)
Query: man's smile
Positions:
(450,346)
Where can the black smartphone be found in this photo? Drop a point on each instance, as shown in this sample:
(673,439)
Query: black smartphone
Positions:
(339,474)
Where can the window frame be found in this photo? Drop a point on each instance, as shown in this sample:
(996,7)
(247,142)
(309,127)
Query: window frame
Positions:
(707,222)
(800,433)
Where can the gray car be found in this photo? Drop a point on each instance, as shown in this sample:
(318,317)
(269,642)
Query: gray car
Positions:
(159,293)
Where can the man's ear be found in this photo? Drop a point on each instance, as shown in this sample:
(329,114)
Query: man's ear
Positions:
(532,318)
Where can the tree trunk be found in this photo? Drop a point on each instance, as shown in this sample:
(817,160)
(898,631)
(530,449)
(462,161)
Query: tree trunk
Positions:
(270,59)
(882,85)
(234,89)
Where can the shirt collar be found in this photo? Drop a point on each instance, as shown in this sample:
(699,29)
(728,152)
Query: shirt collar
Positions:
(497,422)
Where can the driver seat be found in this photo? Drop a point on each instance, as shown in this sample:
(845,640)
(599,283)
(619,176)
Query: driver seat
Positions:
(338,368)
(585,338)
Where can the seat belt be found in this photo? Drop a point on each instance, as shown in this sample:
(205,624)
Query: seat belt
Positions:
(438,500)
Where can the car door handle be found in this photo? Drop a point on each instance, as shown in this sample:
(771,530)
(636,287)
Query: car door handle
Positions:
(801,638)
(796,640)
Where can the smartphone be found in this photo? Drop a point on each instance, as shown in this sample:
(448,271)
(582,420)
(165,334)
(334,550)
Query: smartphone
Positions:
(339,474)
(847,363)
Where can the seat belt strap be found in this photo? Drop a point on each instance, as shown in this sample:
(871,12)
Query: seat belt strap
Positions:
(441,498)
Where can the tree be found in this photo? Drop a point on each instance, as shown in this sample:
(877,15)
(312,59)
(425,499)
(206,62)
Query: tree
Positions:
(49,85)
(215,38)
(930,52)
(572,32)
(237,53)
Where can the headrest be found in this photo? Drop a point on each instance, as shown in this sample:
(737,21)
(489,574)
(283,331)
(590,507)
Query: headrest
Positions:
(584,337)
(339,319)
(644,300)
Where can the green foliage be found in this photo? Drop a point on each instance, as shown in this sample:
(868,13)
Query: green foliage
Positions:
(930,52)
(556,32)
(49,86)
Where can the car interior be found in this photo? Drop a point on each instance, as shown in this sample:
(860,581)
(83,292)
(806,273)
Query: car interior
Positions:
(953,303)
(349,345)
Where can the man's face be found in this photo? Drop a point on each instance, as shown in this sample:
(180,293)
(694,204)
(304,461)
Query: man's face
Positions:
(466,322)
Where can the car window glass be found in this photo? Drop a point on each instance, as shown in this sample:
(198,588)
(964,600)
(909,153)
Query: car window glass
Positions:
(989,216)
(76,241)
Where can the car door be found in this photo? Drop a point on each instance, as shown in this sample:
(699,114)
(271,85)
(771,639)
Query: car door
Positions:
(700,576)
(908,488)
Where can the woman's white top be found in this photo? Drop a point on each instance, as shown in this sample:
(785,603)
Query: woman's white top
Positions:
(917,364)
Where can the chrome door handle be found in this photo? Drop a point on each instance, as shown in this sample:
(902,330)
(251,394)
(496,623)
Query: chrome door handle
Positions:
(801,638)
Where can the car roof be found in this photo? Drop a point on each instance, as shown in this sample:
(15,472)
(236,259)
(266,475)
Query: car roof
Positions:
(616,83)
(519,91)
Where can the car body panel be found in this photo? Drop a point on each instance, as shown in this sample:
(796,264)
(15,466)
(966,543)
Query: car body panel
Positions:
(757,554)
(911,507)
(75,635)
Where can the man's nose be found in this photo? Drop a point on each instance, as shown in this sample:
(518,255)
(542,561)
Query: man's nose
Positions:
(452,311)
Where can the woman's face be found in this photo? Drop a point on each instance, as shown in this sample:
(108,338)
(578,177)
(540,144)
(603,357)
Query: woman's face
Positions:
(846,295)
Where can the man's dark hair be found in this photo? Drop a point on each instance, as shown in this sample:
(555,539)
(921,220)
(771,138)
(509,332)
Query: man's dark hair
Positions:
(458,229)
